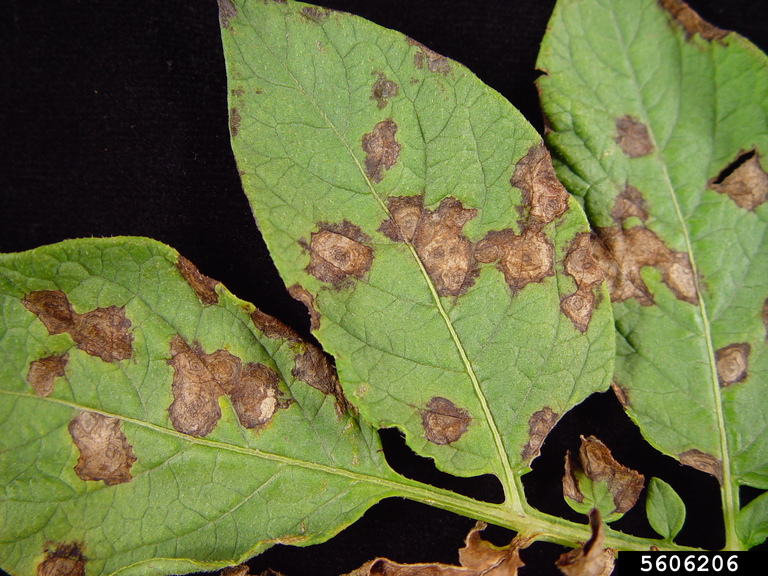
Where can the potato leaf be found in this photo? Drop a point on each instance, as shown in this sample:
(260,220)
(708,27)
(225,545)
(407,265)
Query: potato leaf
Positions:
(659,122)
(152,422)
(417,215)
(665,509)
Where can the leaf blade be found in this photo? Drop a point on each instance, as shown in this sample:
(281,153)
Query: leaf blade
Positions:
(665,509)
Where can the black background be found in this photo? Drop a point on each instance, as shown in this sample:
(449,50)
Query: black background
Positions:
(113,121)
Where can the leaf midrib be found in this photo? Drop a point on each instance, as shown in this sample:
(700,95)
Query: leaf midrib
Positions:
(513,499)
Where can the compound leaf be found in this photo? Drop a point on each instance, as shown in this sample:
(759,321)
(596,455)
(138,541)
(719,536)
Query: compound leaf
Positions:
(151,422)
(660,124)
(417,215)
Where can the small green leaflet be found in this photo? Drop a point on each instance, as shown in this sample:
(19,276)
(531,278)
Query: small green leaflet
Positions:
(665,509)
(660,124)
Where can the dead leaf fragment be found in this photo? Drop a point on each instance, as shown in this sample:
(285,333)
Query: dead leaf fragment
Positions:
(203,286)
(632,137)
(477,558)
(199,379)
(43,372)
(104,450)
(443,421)
(337,251)
(102,332)
(744,181)
(731,362)
(691,22)
(539,425)
(522,259)
(381,149)
(63,560)
(437,237)
(703,462)
(543,193)
(313,368)
(591,559)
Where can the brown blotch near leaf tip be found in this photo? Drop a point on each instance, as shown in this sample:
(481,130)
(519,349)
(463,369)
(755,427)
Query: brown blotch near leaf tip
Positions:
(316,14)
(62,560)
(437,237)
(313,368)
(433,61)
(744,181)
(632,137)
(543,193)
(43,373)
(204,287)
(731,362)
(382,90)
(303,295)
(522,259)
(703,462)
(104,450)
(227,12)
(539,425)
(591,559)
(622,253)
(338,251)
(582,266)
(199,379)
(102,332)
(381,149)
(443,421)
(691,22)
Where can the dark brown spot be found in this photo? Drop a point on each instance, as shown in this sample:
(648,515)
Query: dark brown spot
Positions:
(539,425)
(621,394)
(204,287)
(63,560)
(543,193)
(598,464)
(622,253)
(234,122)
(313,368)
(271,327)
(43,373)
(731,363)
(628,204)
(381,149)
(523,259)
(632,137)
(238,92)
(199,379)
(316,14)
(299,293)
(104,451)
(102,332)
(434,61)
(743,181)
(691,22)
(337,251)
(703,462)
(581,265)
(227,12)
(437,237)
(591,559)
(443,421)
(383,90)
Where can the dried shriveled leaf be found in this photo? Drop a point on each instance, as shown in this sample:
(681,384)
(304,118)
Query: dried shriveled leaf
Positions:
(163,458)
(418,216)
(477,558)
(658,121)
(591,559)
(665,509)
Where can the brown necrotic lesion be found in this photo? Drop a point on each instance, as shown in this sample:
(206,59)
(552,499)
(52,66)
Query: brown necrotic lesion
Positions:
(104,450)
(338,251)
(444,422)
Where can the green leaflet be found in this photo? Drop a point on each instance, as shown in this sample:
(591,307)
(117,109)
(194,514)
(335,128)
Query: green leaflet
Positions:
(752,521)
(109,330)
(665,509)
(381,175)
(661,129)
